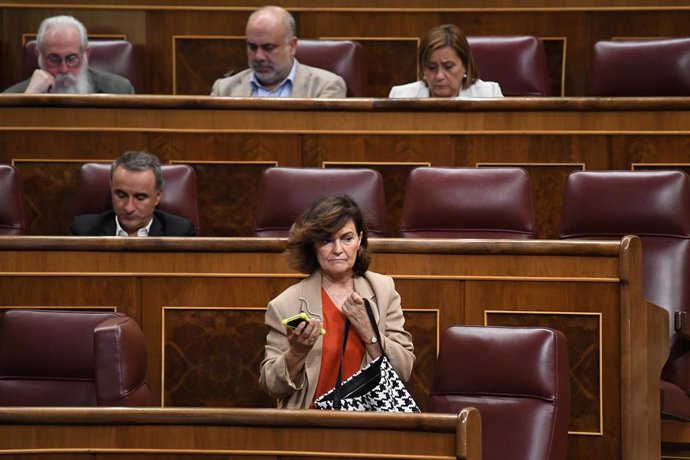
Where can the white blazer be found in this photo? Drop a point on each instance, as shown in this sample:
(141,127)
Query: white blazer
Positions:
(419,89)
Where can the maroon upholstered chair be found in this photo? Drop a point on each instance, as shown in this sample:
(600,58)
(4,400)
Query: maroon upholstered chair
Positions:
(115,56)
(12,218)
(285,192)
(654,205)
(69,358)
(342,57)
(178,196)
(640,68)
(468,203)
(518,378)
(517,63)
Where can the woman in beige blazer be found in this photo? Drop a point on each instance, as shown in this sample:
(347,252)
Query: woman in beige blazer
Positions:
(329,242)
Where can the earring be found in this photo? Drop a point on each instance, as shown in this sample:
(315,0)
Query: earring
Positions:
(464,77)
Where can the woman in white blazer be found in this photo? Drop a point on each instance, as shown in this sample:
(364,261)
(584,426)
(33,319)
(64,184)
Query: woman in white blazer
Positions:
(448,69)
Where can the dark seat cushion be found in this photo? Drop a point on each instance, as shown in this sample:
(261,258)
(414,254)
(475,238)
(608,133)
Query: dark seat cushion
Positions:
(517,63)
(72,358)
(468,203)
(12,218)
(518,378)
(285,192)
(639,68)
(342,57)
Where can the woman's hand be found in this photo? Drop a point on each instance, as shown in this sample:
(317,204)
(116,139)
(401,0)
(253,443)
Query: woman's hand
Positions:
(355,310)
(303,338)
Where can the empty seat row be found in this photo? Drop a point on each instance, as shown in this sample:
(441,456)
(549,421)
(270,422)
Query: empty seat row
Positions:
(517,63)
(439,202)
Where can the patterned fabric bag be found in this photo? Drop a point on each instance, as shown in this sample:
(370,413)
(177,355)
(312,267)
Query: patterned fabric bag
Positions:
(376,387)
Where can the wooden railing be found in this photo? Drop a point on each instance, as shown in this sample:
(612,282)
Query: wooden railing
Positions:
(54,433)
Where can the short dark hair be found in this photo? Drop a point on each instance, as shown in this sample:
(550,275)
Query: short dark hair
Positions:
(134,160)
(319,221)
(452,36)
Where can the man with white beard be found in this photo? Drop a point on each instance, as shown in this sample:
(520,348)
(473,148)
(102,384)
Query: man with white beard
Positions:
(63,63)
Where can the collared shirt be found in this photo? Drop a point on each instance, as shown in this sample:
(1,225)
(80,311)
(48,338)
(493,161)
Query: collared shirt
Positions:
(143,231)
(284,89)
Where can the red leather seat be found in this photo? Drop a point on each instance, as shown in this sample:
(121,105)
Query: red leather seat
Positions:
(639,68)
(285,192)
(178,196)
(654,205)
(518,378)
(12,217)
(68,358)
(468,203)
(342,57)
(517,63)
(115,56)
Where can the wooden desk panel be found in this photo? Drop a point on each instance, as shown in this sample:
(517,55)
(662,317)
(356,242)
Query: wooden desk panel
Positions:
(201,304)
(231,141)
(254,433)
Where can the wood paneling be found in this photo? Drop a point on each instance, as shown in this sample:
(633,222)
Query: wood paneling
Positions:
(231,141)
(200,302)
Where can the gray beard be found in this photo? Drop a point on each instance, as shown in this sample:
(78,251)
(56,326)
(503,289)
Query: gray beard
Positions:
(69,84)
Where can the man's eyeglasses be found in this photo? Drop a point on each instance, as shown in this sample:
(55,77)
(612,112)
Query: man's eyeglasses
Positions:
(71,60)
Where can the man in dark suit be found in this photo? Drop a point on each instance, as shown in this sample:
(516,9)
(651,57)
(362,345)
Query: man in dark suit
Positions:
(135,185)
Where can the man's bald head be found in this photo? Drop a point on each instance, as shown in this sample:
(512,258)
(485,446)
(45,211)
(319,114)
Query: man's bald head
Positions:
(271,44)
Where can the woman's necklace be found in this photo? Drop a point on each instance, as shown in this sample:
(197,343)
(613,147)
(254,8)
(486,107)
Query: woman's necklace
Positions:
(338,294)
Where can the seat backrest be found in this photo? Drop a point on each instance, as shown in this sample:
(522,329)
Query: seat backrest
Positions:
(654,205)
(517,63)
(342,57)
(69,358)
(638,68)
(285,192)
(115,56)
(518,378)
(468,203)
(12,217)
(179,195)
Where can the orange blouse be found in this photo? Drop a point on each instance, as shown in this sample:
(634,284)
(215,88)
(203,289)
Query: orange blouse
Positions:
(334,323)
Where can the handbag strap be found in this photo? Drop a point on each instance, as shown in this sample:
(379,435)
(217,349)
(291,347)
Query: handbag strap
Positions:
(337,392)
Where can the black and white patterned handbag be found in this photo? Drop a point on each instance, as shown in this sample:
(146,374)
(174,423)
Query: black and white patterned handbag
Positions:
(376,387)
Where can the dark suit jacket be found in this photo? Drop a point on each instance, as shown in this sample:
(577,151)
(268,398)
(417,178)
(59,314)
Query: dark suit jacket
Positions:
(164,224)
(103,82)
